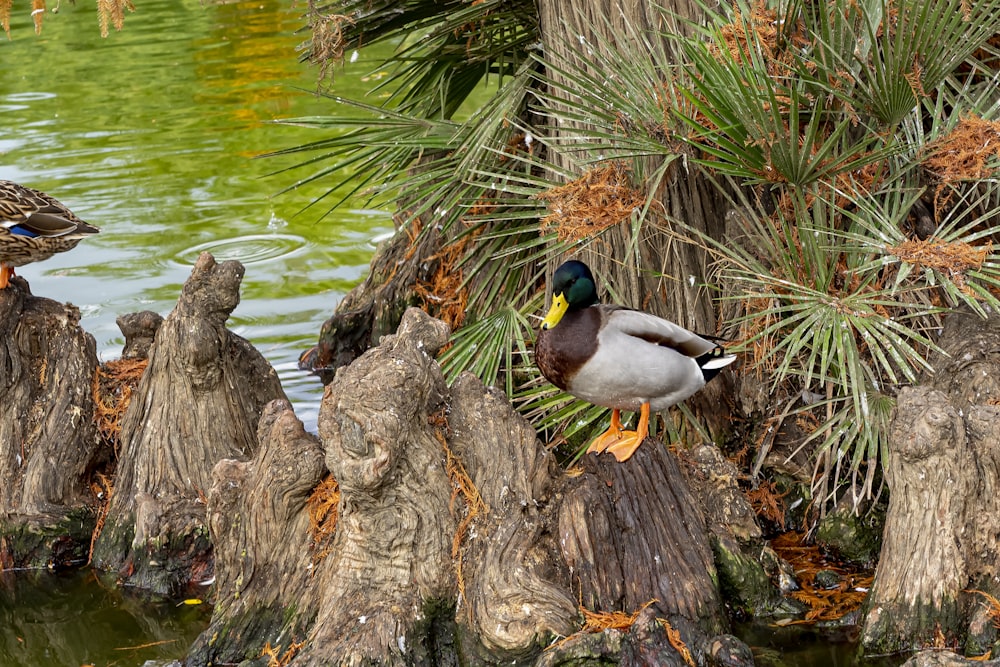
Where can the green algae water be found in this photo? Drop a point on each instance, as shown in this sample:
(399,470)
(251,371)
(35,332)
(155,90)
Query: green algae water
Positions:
(153,134)
(70,619)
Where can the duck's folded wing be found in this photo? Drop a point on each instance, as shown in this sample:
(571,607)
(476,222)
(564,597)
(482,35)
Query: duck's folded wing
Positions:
(657,330)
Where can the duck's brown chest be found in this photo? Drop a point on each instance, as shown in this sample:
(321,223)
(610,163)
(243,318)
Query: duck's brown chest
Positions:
(561,351)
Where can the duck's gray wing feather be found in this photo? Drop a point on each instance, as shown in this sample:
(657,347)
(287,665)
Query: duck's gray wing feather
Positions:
(659,331)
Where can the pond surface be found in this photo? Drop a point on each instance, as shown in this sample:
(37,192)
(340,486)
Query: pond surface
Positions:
(70,619)
(151,135)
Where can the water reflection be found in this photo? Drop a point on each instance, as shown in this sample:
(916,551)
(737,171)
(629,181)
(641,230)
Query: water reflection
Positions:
(152,135)
(70,619)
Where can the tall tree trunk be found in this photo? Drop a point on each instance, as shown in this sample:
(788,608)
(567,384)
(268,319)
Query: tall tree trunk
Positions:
(199,401)
(654,272)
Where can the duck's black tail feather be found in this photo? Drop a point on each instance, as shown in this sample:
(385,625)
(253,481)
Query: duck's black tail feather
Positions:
(713,362)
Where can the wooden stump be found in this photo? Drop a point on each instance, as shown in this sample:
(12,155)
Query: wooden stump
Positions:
(199,401)
(260,529)
(375,307)
(457,538)
(391,555)
(48,439)
(517,588)
(942,529)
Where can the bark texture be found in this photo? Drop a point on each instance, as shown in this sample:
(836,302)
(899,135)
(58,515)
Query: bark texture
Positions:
(517,588)
(942,529)
(48,439)
(199,401)
(391,555)
(458,539)
(375,307)
(264,553)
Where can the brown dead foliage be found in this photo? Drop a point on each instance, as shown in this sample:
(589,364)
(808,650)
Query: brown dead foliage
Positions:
(322,507)
(952,258)
(112,389)
(763,23)
(327,39)
(112,13)
(601,198)
(276,660)
(963,154)
(445,295)
(5,6)
(767,503)
(807,560)
(461,486)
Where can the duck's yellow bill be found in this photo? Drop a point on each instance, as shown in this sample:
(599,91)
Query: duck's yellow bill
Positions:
(559,307)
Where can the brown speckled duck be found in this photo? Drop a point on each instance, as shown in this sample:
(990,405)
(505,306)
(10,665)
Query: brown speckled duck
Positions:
(33,227)
(619,358)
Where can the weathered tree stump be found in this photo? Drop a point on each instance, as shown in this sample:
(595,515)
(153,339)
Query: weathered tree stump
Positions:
(457,535)
(48,439)
(517,588)
(942,529)
(391,555)
(264,588)
(199,401)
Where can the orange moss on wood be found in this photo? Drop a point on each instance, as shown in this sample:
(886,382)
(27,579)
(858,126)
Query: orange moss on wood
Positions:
(601,198)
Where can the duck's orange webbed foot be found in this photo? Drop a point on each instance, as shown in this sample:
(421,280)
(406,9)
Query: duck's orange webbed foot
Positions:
(5,273)
(629,441)
(609,437)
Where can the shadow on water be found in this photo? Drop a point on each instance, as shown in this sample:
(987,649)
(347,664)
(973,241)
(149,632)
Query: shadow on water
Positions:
(807,646)
(69,618)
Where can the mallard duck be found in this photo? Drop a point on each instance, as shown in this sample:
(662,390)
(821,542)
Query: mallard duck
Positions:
(619,358)
(33,227)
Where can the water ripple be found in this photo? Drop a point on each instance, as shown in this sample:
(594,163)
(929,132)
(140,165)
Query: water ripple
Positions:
(250,249)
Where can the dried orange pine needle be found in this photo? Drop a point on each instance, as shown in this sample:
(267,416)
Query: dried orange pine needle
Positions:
(461,485)
(599,621)
(112,389)
(993,603)
(674,637)
(953,258)
(807,560)
(599,199)
(274,660)
(322,508)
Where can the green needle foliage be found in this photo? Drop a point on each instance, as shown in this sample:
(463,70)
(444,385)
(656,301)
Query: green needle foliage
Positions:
(855,140)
